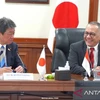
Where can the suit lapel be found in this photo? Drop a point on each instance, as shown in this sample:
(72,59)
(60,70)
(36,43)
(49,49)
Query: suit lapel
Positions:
(98,55)
(84,49)
(8,54)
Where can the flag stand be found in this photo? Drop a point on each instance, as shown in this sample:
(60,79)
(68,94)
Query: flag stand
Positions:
(42,78)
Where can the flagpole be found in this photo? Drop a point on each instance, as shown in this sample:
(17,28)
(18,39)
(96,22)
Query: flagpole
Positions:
(41,65)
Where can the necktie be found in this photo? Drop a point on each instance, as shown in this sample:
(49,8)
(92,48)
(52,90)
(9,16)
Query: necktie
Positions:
(91,55)
(2,57)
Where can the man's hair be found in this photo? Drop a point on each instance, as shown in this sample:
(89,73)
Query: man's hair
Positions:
(6,23)
(95,23)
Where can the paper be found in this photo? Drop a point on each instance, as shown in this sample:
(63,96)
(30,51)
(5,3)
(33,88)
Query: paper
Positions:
(18,76)
(66,67)
(62,68)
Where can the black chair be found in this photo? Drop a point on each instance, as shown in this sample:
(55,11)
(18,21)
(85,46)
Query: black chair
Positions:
(64,37)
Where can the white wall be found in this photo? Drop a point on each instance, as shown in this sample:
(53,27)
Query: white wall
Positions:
(34,20)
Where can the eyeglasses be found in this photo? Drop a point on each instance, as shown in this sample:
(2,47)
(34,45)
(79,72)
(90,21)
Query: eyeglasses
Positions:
(91,34)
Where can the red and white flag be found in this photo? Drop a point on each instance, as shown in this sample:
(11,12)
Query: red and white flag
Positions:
(65,16)
(86,64)
(41,64)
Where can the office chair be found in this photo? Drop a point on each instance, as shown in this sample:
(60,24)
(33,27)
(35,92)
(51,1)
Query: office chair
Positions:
(63,39)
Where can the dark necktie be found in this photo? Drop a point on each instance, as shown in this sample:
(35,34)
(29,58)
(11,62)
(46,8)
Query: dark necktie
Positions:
(2,58)
(91,55)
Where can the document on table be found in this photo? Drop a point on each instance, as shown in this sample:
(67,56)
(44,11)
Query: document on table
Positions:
(18,76)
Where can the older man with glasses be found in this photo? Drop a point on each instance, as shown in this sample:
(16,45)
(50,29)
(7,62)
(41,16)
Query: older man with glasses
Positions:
(90,43)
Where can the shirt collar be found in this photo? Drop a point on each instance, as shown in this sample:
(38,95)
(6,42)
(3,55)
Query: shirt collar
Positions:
(95,47)
(2,45)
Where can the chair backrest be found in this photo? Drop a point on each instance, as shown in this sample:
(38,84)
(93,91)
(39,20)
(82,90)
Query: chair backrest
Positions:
(64,37)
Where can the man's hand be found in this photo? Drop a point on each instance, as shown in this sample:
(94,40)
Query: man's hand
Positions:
(5,70)
(97,68)
(19,69)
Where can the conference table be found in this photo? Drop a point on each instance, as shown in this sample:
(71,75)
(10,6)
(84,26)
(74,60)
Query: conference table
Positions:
(37,90)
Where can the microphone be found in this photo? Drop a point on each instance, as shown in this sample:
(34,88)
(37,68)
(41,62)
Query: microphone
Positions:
(20,59)
(24,67)
(21,62)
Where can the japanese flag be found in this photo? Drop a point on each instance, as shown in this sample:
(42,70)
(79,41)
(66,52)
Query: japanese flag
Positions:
(41,64)
(65,16)
(86,64)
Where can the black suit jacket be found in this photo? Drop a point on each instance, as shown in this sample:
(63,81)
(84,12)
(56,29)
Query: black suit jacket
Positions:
(12,56)
(76,57)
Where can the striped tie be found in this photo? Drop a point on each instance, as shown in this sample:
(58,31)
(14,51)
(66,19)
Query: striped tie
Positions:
(2,57)
(91,57)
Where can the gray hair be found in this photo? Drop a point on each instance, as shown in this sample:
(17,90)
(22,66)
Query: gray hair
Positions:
(6,23)
(95,23)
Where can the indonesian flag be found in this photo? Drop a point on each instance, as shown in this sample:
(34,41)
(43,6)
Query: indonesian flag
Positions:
(86,63)
(41,64)
(65,16)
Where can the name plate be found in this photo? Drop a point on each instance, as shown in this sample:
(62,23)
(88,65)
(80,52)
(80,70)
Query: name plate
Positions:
(18,76)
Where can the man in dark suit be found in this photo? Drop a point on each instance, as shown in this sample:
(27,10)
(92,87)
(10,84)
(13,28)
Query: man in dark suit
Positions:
(12,61)
(78,49)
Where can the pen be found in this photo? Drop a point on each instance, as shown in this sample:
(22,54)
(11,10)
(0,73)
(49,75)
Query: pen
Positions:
(13,71)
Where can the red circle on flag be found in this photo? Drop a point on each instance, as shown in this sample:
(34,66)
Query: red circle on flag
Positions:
(42,62)
(65,15)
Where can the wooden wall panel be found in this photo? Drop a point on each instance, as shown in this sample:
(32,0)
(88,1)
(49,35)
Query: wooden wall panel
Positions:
(29,51)
(93,10)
